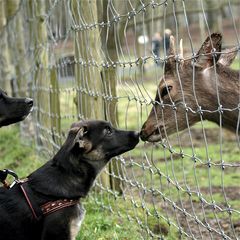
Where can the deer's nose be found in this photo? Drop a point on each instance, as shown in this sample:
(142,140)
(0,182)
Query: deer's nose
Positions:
(145,132)
(149,130)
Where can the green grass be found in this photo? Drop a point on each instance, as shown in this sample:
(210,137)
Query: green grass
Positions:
(236,64)
(102,224)
(106,225)
(14,155)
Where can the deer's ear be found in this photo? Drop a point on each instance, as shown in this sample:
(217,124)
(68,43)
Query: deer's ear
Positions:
(210,50)
(228,56)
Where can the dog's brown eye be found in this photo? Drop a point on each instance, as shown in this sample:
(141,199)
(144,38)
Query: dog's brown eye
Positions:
(165,91)
(108,130)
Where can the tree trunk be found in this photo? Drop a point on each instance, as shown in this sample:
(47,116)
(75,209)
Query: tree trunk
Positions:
(22,63)
(41,74)
(7,72)
(110,82)
(21,79)
(55,107)
(11,7)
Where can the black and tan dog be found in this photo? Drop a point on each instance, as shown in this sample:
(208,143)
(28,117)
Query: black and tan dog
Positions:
(13,109)
(47,206)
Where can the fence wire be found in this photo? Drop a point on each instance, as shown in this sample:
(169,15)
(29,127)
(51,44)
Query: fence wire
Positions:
(98,60)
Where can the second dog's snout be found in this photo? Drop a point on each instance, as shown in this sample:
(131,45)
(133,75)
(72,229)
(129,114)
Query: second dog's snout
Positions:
(29,101)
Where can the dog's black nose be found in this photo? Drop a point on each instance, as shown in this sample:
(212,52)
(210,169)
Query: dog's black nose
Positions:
(29,101)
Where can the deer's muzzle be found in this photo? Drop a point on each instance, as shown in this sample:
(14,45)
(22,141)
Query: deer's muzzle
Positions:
(151,132)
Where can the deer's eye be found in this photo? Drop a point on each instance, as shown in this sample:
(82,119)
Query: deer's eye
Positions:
(165,91)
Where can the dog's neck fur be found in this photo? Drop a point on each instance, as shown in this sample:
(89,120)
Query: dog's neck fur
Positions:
(72,178)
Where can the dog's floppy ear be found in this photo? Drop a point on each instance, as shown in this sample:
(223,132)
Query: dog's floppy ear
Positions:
(78,139)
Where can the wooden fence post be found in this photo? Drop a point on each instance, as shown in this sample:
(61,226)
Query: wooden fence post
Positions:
(38,32)
(55,106)
(87,74)
(110,81)
(7,68)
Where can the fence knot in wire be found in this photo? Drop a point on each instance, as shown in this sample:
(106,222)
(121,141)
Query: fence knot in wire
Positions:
(178,58)
(229,209)
(199,195)
(117,18)
(171,150)
(199,110)
(214,53)
(108,24)
(223,166)
(143,9)
(194,58)
(188,191)
(186,107)
(194,158)
(184,212)
(174,205)
(208,227)
(209,164)
(174,107)
(132,14)
(197,220)
(153,4)
(168,179)
(220,109)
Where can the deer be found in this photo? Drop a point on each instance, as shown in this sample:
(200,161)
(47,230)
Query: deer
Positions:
(202,87)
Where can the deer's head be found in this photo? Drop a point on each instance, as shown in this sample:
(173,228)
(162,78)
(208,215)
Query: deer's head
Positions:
(185,86)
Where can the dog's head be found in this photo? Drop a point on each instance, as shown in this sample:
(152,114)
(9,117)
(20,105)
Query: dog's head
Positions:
(88,148)
(96,142)
(13,109)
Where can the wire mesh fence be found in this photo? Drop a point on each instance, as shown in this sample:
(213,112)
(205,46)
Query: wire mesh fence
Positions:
(103,59)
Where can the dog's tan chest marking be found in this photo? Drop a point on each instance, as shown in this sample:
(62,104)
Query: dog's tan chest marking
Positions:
(76,222)
(96,154)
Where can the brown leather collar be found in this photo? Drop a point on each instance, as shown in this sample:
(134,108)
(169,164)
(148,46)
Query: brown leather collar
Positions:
(46,208)
(51,207)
